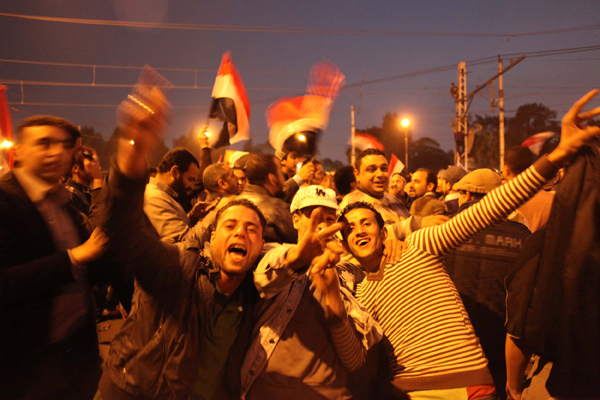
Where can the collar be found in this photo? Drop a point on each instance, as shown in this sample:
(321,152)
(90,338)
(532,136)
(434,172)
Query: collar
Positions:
(164,187)
(82,188)
(452,196)
(379,274)
(215,195)
(370,195)
(261,190)
(35,188)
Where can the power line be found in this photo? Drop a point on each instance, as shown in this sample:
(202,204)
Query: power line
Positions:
(291,30)
(15,103)
(127,85)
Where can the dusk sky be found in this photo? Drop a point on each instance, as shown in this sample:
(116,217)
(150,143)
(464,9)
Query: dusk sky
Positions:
(274,65)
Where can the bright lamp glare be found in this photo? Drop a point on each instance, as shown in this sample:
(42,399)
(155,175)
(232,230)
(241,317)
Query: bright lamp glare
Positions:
(6,144)
(405,122)
(301,138)
(132,142)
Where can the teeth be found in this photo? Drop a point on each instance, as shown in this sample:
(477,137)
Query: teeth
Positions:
(238,249)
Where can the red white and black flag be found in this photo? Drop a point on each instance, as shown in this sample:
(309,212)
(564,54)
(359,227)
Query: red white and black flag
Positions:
(363,140)
(6,136)
(230,104)
(537,141)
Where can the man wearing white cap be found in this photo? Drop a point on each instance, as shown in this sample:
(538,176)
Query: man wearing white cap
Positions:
(309,332)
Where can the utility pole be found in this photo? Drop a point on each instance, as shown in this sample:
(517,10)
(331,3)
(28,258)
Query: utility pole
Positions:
(463,102)
(406,149)
(352,151)
(501,112)
(461,109)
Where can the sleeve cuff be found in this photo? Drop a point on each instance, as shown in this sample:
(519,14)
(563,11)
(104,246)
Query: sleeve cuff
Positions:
(298,180)
(545,167)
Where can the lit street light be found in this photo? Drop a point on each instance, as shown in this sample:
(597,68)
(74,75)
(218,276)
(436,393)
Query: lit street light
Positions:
(405,123)
(6,144)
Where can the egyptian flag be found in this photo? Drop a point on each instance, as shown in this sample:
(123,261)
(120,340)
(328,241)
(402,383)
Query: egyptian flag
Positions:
(230,104)
(537,141)
(6,152)
(296,123)
(364,141)
(396,166)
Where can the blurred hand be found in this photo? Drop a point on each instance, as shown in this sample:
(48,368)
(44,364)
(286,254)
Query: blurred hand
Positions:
(314,242)
(326,283)
(200,209)
(91,249)
(143,123)
(573,133)
(307,171)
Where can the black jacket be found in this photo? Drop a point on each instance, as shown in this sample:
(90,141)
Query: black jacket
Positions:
(31,272)
(560,319)
(156,353)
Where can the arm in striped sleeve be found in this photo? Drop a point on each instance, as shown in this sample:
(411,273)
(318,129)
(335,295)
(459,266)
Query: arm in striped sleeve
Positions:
(355,333)
(493,208)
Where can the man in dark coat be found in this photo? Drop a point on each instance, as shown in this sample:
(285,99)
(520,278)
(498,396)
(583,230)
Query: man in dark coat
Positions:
(49,346)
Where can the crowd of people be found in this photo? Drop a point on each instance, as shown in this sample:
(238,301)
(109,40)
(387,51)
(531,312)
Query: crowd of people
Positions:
(268,278)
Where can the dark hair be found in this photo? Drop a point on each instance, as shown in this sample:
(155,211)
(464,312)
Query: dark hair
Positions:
(518,159)
(258,167)
(431,177)
(364,205)
(212,174)
(49,120)
(241,202)
(343,179)
(367,152)
(178,156)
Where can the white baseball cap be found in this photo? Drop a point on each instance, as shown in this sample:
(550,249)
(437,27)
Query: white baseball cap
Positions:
(314,195)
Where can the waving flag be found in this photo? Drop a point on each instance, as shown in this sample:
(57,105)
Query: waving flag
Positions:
(536,142)
(230,104)
(364,141)
(295,123)
(6,136)
(395,165)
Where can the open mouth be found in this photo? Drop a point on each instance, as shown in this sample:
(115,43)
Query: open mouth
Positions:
(237,252)
(363,242)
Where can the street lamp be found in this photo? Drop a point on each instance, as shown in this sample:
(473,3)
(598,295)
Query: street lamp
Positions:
(405,123)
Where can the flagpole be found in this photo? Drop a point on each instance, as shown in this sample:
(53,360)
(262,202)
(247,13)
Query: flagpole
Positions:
(352,154)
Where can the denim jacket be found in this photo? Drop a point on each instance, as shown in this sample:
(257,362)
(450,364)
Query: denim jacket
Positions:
(281,289)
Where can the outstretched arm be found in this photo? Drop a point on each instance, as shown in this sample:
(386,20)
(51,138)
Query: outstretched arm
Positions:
(500,202)
(134,243)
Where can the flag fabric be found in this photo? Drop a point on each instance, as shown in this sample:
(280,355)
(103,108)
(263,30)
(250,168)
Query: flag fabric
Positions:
(307,115)
(364,141)
(231,156)
(230,104)
(536,142)
(6,154)
(396,166)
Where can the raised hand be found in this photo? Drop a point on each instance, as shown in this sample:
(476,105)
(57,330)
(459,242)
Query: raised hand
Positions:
(143,122)
(314,242)
(573,133)
(326,285)
(307,172)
